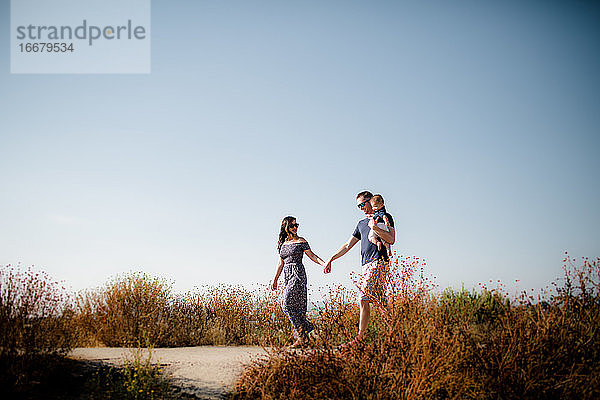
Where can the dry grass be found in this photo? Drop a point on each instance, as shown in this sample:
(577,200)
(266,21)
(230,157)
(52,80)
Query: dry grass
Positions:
(134,306)
(125,310)
(35,324)
(457,345)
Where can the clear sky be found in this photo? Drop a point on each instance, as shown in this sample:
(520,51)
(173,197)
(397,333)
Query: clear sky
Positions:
(478,121)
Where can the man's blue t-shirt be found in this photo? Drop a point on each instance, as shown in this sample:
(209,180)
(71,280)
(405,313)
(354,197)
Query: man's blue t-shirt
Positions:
(368,250)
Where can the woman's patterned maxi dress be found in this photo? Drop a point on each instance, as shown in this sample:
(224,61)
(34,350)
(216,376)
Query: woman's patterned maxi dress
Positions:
(295,292)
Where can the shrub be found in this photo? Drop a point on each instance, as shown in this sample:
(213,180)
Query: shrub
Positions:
(269,326)
(487,306)
(137,378)
(126,309)
(187,321)
(133,305)
(337,320)
(465,345)
(35,323)
(229,311)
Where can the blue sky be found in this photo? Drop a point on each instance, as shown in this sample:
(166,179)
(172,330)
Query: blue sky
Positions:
(477,121)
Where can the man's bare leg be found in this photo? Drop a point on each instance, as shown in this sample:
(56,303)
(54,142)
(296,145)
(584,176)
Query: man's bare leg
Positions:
(365,316)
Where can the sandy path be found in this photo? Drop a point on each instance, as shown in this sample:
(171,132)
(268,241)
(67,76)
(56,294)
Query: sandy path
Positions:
(207,372)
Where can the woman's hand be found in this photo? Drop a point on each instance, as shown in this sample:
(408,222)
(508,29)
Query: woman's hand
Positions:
(274,284)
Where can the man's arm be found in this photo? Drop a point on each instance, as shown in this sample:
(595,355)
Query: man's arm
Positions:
(343,250)
(386,220)
(389,237)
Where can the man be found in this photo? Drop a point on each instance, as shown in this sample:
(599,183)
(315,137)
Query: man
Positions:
(372,259)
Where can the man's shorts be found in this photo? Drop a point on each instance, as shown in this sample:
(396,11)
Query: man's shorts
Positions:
(373,281)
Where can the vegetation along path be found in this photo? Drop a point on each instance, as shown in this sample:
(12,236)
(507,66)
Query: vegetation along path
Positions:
(204,372)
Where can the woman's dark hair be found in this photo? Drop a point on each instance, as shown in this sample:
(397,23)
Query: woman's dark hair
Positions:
(284,232)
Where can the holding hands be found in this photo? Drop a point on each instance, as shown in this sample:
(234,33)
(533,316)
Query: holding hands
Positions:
(342,250)
(327,267)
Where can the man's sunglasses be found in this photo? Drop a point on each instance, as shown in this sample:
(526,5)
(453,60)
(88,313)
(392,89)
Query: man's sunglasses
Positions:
(294,225)
(361,205)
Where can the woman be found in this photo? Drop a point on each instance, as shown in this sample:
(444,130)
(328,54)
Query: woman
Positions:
(291,248)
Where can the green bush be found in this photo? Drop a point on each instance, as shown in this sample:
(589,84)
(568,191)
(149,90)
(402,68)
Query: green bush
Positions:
(487,306)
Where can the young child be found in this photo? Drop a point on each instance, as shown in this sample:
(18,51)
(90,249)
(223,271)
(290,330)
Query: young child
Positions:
(377,204)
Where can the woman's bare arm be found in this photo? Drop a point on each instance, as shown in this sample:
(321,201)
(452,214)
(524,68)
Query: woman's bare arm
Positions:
(277,274)
(314,257)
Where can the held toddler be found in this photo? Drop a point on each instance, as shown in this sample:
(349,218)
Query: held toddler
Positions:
(378,206)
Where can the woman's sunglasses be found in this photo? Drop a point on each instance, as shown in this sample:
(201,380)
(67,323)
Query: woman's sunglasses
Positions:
(295,225)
